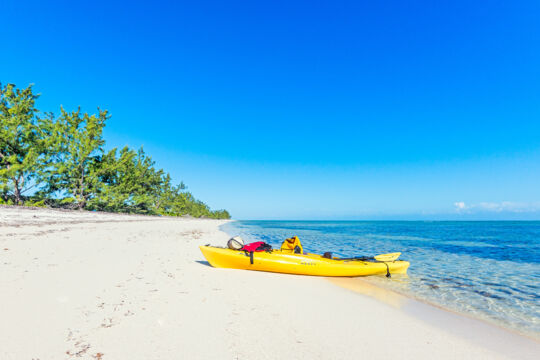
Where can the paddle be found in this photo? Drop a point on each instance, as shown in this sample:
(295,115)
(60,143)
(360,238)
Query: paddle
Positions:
(388,257)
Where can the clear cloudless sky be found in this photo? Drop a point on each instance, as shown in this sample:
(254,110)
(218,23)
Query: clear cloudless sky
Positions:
(304,109)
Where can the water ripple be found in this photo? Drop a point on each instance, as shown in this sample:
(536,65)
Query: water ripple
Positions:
(487,269)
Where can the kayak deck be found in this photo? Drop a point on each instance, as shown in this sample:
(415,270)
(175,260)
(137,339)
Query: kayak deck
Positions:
(299,264)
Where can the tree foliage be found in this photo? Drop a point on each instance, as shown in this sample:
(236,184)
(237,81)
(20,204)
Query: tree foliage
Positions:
(20,142)
(64,159)
(77,141)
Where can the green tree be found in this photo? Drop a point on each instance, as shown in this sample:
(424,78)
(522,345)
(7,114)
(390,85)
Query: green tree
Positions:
(147,183)
(77,144)
(165,202)
(112,194)
(21,142)
(130,183)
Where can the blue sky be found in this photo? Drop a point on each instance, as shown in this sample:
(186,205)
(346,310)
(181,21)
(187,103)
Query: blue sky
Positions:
(305,110)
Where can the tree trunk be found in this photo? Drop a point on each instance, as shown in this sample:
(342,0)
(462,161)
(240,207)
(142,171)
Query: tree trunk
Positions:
(21,188)
(82,200)
(82,204)
(17,192)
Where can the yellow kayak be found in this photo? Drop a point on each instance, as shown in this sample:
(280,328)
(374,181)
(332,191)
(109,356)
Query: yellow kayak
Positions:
(301,264)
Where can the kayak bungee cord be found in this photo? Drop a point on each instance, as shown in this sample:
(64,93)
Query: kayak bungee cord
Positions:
(387,270)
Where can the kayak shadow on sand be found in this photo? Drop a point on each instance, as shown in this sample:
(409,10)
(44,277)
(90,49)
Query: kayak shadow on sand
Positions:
(203,262)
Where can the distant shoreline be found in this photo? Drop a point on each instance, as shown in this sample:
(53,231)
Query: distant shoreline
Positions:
(422,221)
(86,212)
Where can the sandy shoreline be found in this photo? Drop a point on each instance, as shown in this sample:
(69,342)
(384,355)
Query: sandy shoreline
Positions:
(102,286)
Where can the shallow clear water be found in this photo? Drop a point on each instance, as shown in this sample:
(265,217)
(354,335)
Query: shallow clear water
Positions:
(490,270)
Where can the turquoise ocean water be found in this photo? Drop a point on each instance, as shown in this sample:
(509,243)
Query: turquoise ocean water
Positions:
(489,270)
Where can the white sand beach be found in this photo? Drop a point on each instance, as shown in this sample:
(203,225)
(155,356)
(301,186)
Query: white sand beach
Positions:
(82,285)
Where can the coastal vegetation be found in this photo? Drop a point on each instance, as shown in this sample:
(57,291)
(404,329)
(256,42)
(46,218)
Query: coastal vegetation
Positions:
(61,161)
